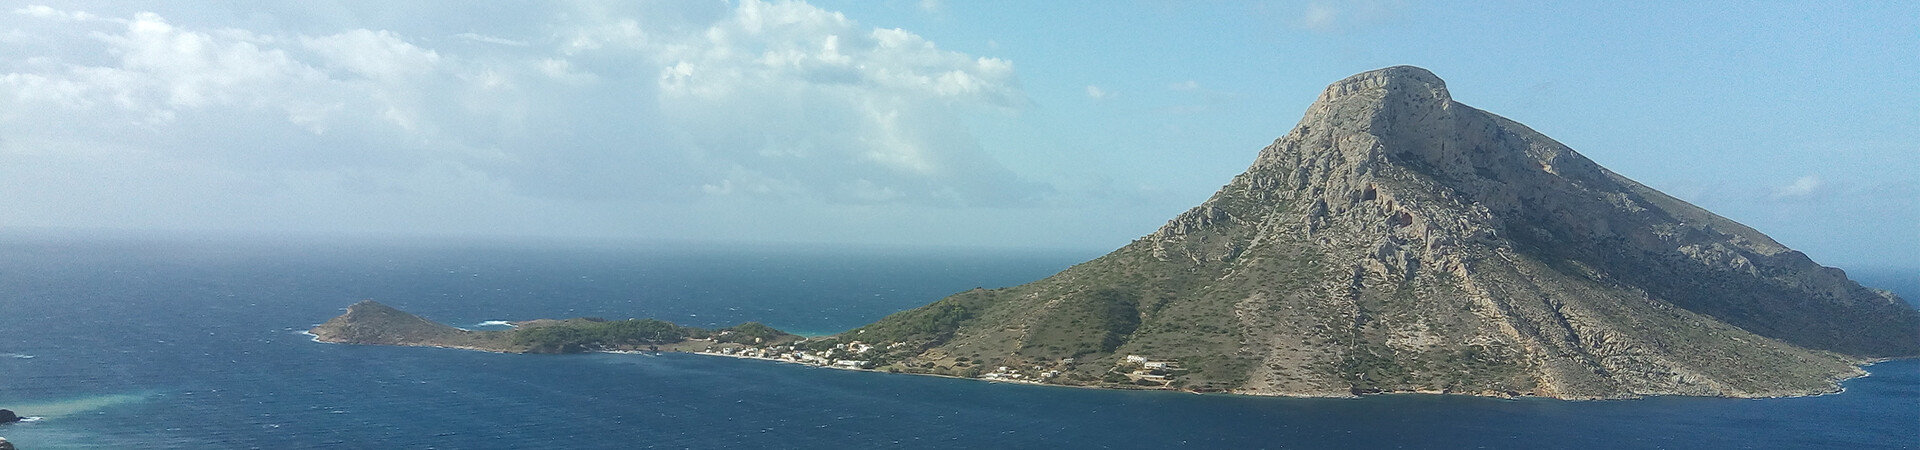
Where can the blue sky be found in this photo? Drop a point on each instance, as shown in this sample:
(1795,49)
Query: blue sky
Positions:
(1015,124)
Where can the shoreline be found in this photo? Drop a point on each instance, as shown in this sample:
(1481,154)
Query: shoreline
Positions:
(854,369)
(1837,386)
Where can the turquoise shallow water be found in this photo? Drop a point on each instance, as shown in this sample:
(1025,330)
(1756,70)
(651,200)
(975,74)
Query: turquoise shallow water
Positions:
(171,343)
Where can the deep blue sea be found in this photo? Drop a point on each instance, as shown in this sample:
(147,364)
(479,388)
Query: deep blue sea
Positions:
(157,342)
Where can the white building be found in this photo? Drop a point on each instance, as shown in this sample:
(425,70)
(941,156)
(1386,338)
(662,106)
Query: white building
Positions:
(851,363)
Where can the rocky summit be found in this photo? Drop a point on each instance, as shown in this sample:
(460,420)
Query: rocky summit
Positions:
(1398,241)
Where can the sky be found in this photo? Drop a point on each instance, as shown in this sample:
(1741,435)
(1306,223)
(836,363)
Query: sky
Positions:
(1065,125)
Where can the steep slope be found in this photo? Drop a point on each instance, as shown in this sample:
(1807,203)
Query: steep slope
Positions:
(1396,240)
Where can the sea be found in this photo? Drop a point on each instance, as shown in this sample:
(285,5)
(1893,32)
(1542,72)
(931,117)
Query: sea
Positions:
(195,342)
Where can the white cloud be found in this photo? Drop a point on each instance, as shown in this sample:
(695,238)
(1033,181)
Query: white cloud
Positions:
(794,45)
(1184,86)
(380,55)
(152,70)
(876,108)
(48,12)
(245,100)
(1804,187)
(198,69)
(1096,93)
(671,102)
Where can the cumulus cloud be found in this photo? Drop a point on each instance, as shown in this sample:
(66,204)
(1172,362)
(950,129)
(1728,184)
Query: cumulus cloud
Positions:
(779,101)
(232,98)
(795,45)
(804,102)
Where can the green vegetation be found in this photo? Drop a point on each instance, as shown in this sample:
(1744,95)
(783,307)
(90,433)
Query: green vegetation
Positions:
(927,325)
(579,335)
(1084,323)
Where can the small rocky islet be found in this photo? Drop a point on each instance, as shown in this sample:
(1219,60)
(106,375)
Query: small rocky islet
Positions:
(1394,241)
(8,416)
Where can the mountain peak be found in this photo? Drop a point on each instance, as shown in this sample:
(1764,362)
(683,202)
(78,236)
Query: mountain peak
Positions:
(1398,241)
(1396,80)
(1400,108)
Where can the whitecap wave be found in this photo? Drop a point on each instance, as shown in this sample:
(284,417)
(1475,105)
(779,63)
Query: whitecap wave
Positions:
(494,323)
(18,355)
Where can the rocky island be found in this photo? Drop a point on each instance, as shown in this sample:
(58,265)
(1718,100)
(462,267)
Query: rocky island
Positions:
(1394,241)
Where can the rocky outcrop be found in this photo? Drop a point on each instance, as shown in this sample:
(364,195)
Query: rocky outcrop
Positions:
(4,445)
(370,322)
(7,416)
(373,323)
(1398,241)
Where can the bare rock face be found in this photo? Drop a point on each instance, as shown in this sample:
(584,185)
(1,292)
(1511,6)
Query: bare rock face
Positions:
(1396,240)
(1405,154)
